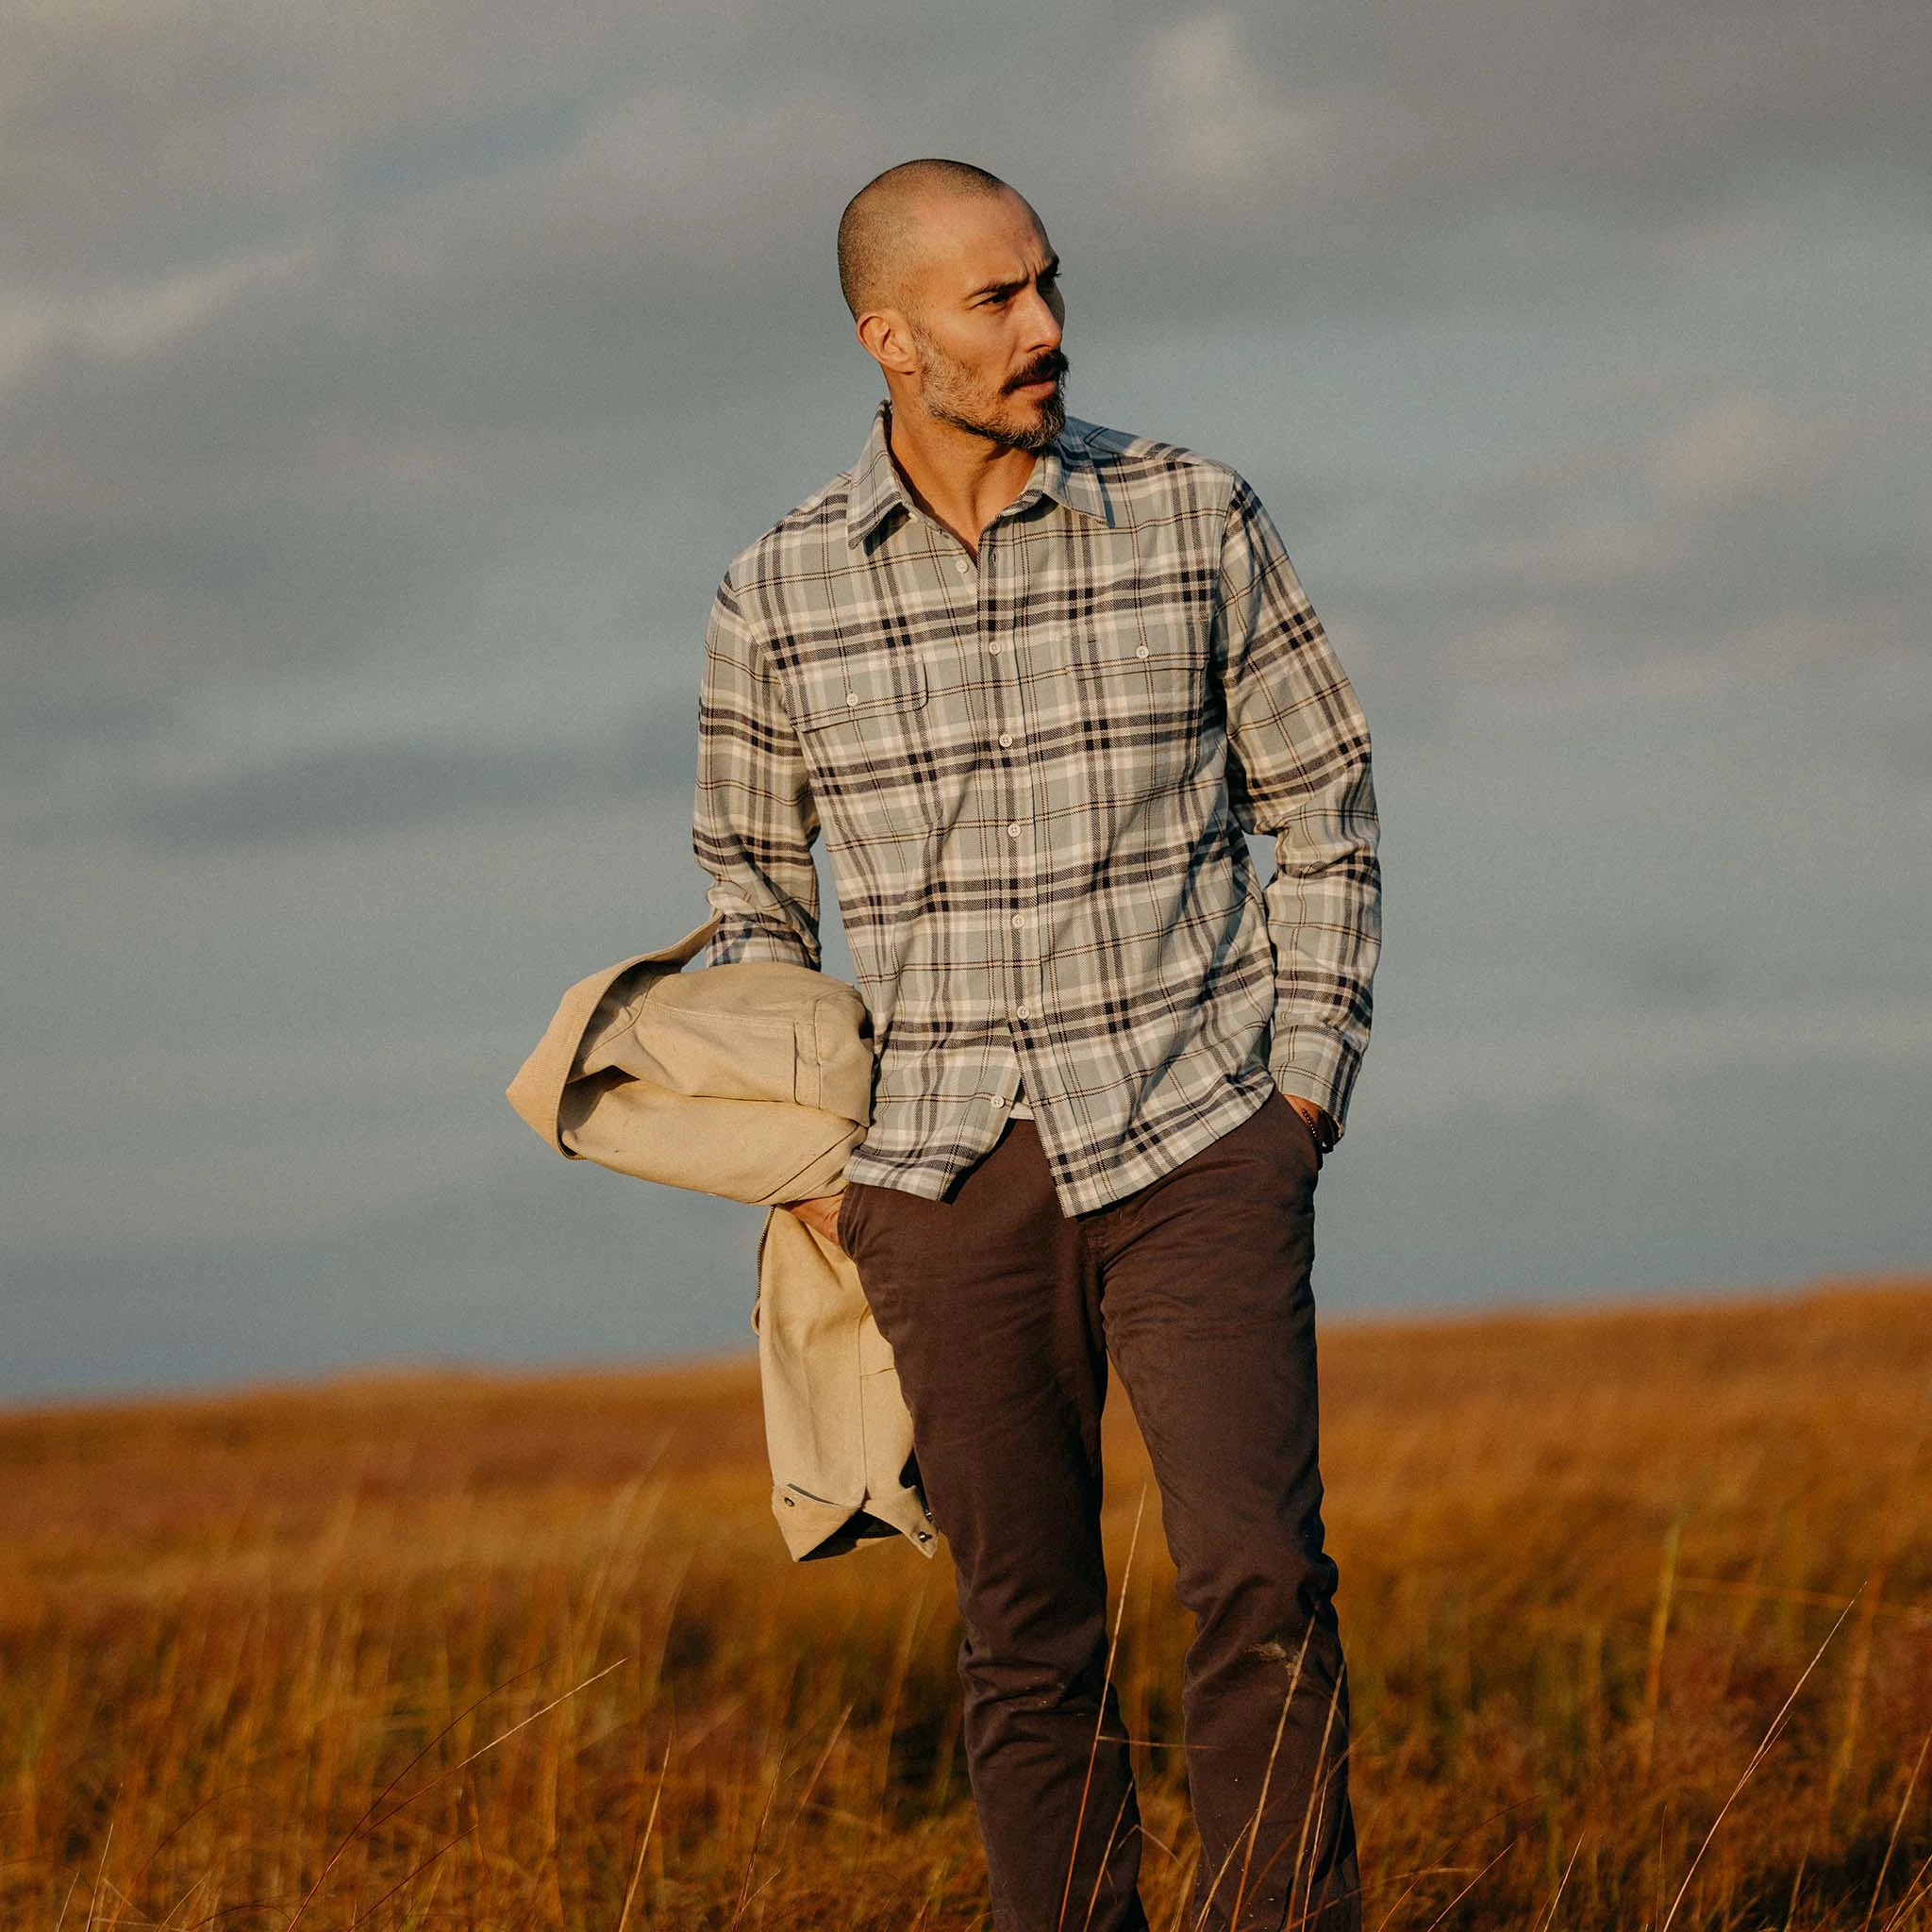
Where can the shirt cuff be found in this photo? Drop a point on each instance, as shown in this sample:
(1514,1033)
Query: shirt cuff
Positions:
(1310,1064)
(739,939)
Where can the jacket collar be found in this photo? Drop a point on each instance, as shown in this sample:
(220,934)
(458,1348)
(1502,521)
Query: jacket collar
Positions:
(1063,470)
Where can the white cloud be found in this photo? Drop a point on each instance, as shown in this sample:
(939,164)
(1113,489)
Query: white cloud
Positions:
(126,322)
(1810,636)
(1222,121)
(1532,641)
(1587,550)
(1738,447)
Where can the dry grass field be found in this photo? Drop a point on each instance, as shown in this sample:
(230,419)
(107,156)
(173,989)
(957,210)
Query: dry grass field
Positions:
(1639,1609)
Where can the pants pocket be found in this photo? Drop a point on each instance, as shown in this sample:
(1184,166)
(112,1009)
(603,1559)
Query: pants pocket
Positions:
(844,1223)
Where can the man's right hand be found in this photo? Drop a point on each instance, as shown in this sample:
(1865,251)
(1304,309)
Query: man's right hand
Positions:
(821,1216)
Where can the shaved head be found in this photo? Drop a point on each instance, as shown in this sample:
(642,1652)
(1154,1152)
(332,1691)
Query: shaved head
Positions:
(879,233)
(955,293)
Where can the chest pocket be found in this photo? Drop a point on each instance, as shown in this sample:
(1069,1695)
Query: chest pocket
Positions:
(1141,688)
(862,725)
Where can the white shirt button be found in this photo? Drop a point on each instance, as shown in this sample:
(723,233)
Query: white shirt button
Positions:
(1019,919)
(1012,831)
(1023,1012)
(963,566)
(1005,737)
(851,697)
(1143,652)
(998,1100)
(994,648)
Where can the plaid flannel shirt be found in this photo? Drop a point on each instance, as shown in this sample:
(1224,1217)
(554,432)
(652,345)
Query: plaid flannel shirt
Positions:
(1033,771)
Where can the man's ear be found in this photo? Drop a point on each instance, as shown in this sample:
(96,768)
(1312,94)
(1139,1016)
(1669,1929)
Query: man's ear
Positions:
(887,337)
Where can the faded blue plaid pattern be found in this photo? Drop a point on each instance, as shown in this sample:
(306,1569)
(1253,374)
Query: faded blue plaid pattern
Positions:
(1033,772)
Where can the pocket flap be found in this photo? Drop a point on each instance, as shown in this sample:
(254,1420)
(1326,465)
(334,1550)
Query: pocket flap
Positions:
(857,684)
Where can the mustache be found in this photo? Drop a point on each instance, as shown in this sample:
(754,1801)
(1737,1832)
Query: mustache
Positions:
(1051,366)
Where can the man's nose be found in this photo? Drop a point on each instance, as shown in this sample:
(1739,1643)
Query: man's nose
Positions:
(1041,321)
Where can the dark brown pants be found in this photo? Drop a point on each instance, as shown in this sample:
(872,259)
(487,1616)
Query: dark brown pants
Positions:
(1002,1314)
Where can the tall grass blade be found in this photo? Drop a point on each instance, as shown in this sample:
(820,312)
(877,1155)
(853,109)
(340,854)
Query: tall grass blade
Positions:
(636,1871)
(441,1777)
(1660,1631)
(1100,1716)
(1240,1890)
(1549,1917)
(1897,1823)
(410,1878)
(1470,1886)
(1757,1757)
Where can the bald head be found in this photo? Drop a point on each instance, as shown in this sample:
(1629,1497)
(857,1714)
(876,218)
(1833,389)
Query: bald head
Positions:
(879,232)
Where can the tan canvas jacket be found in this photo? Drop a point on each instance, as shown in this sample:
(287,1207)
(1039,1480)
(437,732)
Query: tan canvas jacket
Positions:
(752,1081)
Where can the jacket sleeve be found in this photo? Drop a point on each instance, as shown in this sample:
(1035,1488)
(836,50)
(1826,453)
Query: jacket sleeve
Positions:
(1298,767)
(753,822)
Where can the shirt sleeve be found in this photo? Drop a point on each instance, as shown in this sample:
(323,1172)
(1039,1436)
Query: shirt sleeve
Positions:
(1298,768)
(753,822)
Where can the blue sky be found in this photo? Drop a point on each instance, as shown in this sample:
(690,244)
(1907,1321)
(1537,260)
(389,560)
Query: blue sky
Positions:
(383,392)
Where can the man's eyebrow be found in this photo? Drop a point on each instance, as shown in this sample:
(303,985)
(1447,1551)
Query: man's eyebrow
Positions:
(1050,267)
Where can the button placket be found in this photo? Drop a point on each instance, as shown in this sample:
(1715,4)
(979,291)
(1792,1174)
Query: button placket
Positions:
(1014,801)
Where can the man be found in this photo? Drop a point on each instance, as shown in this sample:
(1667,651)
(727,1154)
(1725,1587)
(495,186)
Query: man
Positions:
(1033,679)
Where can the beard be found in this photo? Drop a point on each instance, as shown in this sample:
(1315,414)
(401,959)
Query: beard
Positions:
(951,393)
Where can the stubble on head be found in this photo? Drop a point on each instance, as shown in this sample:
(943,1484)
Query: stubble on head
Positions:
(892,232)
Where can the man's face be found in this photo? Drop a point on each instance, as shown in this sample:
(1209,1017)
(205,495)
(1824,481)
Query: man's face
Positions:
(985,311)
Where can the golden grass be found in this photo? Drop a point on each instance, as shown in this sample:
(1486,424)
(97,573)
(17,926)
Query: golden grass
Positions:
(493,1654)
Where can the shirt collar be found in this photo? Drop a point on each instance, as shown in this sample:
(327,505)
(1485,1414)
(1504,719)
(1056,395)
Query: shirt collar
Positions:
(1064,470)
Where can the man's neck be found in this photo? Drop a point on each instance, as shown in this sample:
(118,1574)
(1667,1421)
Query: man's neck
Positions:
(957,477)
